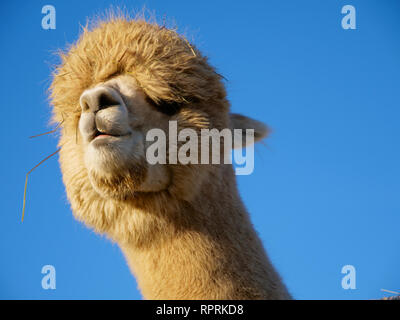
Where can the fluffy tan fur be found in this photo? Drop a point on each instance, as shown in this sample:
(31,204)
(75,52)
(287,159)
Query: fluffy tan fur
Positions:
(193,239)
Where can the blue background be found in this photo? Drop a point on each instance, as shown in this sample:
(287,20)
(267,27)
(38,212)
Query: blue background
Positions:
(325,190)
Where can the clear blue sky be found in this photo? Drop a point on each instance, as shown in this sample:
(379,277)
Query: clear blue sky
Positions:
(325,191)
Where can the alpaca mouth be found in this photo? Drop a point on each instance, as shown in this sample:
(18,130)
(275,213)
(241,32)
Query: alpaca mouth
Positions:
(101,135)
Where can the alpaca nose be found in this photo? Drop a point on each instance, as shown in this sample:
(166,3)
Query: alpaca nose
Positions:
(96,99)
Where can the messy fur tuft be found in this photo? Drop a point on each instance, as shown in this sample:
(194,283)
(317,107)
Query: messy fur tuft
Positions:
(165,65)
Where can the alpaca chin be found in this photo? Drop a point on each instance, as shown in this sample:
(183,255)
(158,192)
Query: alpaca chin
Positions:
(119,185)
(113,154)
(115,169)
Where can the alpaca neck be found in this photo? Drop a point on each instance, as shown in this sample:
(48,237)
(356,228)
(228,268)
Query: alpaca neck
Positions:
(218,257)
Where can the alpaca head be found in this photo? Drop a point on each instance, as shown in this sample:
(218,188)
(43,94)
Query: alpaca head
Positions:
(120,80)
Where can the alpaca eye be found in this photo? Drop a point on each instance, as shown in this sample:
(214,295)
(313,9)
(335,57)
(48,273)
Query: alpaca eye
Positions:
(169,108)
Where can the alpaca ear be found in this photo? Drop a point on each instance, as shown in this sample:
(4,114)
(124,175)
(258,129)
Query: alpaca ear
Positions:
(238,121)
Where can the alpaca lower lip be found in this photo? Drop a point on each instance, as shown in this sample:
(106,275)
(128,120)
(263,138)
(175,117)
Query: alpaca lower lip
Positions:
(105,136)
(106,140)
(100,135)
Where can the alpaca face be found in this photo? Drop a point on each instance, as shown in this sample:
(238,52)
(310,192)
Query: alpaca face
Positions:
(116,83)
(114,120)
(120,80)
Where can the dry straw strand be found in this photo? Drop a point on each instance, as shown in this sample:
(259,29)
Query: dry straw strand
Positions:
(48,132)
(389,291)
(26,180)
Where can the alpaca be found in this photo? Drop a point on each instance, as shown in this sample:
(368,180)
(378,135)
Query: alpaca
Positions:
(183,229)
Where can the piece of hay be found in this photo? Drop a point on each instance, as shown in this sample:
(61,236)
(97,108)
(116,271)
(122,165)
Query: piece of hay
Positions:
(26,180)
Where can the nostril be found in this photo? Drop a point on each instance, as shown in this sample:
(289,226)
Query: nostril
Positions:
(85,106)
(106,100)
(84,102)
